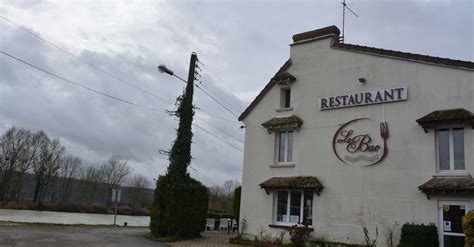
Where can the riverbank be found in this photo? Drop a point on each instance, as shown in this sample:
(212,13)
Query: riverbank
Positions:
(48,217)
(77,208)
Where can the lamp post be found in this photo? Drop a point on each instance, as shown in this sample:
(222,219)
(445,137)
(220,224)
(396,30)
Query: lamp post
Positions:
(177,184)
(163,69)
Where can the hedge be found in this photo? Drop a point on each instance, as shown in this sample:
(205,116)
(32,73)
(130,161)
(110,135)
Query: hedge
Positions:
(468,228)
(236,202)
(179,209)
(414,235)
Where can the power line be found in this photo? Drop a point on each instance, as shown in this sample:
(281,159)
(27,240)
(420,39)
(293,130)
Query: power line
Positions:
(225,88)
(78,84)
(102,70)
(217,129)
(86,62)
(108,95)
(219,138)
(217,101)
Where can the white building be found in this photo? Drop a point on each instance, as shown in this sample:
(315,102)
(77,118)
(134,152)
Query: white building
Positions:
(347,136)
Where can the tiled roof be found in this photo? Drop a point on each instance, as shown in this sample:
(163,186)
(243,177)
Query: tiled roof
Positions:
(445,117)
(298,182)
(279,122)
(335,32)
(451,185)
(284,78)
(406,56)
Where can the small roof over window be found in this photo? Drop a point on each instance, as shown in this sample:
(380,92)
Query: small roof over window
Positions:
(452,185)
(288,123)
(284,78)
(299,182)
(446,117)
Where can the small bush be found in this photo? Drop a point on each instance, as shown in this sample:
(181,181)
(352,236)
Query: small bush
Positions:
(414,235)
(236,202)
(468,228)
(299,234)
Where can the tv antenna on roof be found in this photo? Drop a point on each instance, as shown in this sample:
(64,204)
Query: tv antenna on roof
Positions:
(344,7)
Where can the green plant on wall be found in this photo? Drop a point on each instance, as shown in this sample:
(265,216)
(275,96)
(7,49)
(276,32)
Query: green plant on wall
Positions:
(180,202)
(468,228)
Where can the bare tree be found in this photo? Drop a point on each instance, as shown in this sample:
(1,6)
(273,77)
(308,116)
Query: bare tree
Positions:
(389,232)
(68,173)
(90,180)
(13,144)
(220,197)
(113,173)
(47,166)
(139,183)
(32,151)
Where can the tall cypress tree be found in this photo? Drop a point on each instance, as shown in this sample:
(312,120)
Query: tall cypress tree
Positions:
(180,202)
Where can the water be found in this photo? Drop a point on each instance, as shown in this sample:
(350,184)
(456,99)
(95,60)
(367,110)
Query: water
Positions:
(30,216)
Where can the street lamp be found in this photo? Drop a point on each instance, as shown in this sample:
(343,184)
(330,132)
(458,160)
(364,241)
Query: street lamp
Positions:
(163,69)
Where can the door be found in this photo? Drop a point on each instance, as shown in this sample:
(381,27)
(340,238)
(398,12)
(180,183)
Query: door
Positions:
(450,223)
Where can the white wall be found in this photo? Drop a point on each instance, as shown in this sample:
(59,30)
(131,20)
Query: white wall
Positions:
(354,196)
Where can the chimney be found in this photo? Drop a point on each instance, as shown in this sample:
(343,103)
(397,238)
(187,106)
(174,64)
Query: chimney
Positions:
(331,31)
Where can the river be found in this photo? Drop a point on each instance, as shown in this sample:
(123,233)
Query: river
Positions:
(31,216)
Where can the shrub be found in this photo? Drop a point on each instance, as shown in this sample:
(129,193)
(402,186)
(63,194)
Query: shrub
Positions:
(468,228)
(219,215)
(179,209)
(236,202)
(299,234)
(414,235)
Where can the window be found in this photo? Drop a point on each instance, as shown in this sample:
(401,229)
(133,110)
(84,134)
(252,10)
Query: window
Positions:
(285,147)
(450,143)
(285,98)
(294,207)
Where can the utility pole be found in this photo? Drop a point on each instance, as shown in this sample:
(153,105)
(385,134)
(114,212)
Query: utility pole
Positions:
(170,214)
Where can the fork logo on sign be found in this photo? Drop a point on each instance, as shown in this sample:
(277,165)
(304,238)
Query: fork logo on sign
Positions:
(351,143)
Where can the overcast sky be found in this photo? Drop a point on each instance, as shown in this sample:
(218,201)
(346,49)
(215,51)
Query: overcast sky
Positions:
(240,43)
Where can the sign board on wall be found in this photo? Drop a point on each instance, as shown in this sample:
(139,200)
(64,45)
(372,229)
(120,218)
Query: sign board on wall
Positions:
(356,144)
(364,98)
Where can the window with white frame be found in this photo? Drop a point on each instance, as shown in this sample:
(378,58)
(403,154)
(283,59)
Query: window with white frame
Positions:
(450,145)
(294,206)
(285,147)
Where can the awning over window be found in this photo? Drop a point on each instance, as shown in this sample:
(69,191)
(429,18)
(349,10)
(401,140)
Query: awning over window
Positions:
(284,78)
(448,186)
(445,117)
(297,183)
(278,123)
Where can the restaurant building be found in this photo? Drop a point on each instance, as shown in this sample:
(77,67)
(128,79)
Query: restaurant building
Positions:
(346,137)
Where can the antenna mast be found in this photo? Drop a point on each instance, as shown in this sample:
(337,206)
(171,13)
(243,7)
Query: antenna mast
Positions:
(344,6)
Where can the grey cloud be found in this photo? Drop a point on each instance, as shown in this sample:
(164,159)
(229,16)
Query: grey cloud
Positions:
(241,43)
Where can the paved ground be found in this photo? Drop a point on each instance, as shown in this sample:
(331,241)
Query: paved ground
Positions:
(39,236)
(209,239)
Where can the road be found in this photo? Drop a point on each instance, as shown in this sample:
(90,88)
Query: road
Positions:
(38,236)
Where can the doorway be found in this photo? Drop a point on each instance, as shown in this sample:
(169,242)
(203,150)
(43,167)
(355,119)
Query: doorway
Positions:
(450,222)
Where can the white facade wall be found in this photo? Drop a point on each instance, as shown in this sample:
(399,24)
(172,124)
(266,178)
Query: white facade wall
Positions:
(354,196)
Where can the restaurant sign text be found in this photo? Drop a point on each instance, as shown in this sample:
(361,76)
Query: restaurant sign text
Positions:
(364,98)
